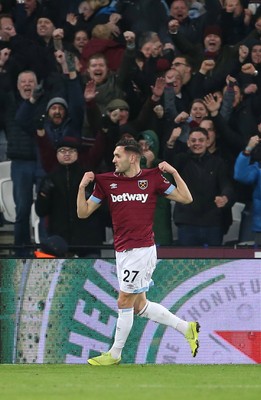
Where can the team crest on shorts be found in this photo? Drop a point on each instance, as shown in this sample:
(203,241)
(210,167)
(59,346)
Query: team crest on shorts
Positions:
(143,184)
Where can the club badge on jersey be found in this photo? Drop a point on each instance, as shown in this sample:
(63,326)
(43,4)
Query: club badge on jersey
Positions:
(143,184)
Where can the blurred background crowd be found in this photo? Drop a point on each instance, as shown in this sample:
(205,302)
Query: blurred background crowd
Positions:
(183,78)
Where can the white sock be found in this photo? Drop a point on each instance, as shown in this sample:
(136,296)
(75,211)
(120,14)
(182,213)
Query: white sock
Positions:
(157,313)
(123,328)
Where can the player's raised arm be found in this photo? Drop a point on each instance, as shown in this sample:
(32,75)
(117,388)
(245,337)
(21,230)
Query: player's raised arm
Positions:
(85,207)
(181,193)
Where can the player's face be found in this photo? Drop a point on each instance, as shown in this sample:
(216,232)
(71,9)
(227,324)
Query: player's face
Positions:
(121,160)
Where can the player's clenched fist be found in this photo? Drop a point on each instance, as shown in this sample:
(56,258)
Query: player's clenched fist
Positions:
(87,178)
(166,167)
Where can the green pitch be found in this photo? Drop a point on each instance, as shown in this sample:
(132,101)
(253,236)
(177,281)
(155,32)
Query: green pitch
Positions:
(134,382)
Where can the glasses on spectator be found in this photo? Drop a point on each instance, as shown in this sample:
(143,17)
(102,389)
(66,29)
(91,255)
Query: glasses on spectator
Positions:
(63,150)
(177,64)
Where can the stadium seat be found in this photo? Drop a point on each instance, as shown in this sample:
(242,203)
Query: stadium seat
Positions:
(7,206)
(232,235)
(5,169)
(35,221)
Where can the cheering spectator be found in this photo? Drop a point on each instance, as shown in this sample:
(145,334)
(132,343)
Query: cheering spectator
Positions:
(249,172)
(56,200)
(201,222)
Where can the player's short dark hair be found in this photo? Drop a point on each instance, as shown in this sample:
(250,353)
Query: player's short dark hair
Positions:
(130,145)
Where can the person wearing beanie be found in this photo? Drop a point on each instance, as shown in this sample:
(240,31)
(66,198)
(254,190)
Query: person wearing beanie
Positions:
(210,58)
(57,100)
(29,35)
(57,119)
(60,115)
(65,114)
(69,141)
(56,198)
(118,116)
(115,121)
(117,104)
(42,46)
(111,84)
(26,113)
(45,28)
(22,151)
(213,30)
(57,111)
(87,156)
(212,39)
(25,16)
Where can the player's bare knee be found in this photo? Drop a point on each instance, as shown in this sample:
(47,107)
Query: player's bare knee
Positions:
(140,302)
(139,305)
(136,310)
(125,300)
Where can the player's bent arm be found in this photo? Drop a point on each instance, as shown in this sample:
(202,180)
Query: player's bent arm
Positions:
(181,193)
(85,207)
(179,197)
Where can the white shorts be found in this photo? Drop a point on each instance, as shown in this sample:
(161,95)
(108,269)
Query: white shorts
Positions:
(135,268)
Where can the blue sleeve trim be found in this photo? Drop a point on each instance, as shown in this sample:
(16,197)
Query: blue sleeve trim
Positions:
(170,189)
(95,199)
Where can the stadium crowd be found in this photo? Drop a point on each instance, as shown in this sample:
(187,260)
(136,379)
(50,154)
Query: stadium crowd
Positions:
(183,78)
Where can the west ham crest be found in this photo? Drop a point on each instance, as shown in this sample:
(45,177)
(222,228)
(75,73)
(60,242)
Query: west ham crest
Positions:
(143,184)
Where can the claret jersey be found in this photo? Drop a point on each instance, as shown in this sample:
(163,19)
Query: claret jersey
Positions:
(132,204)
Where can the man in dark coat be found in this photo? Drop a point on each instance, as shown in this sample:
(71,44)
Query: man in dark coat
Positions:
(57,201)
(201,222)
